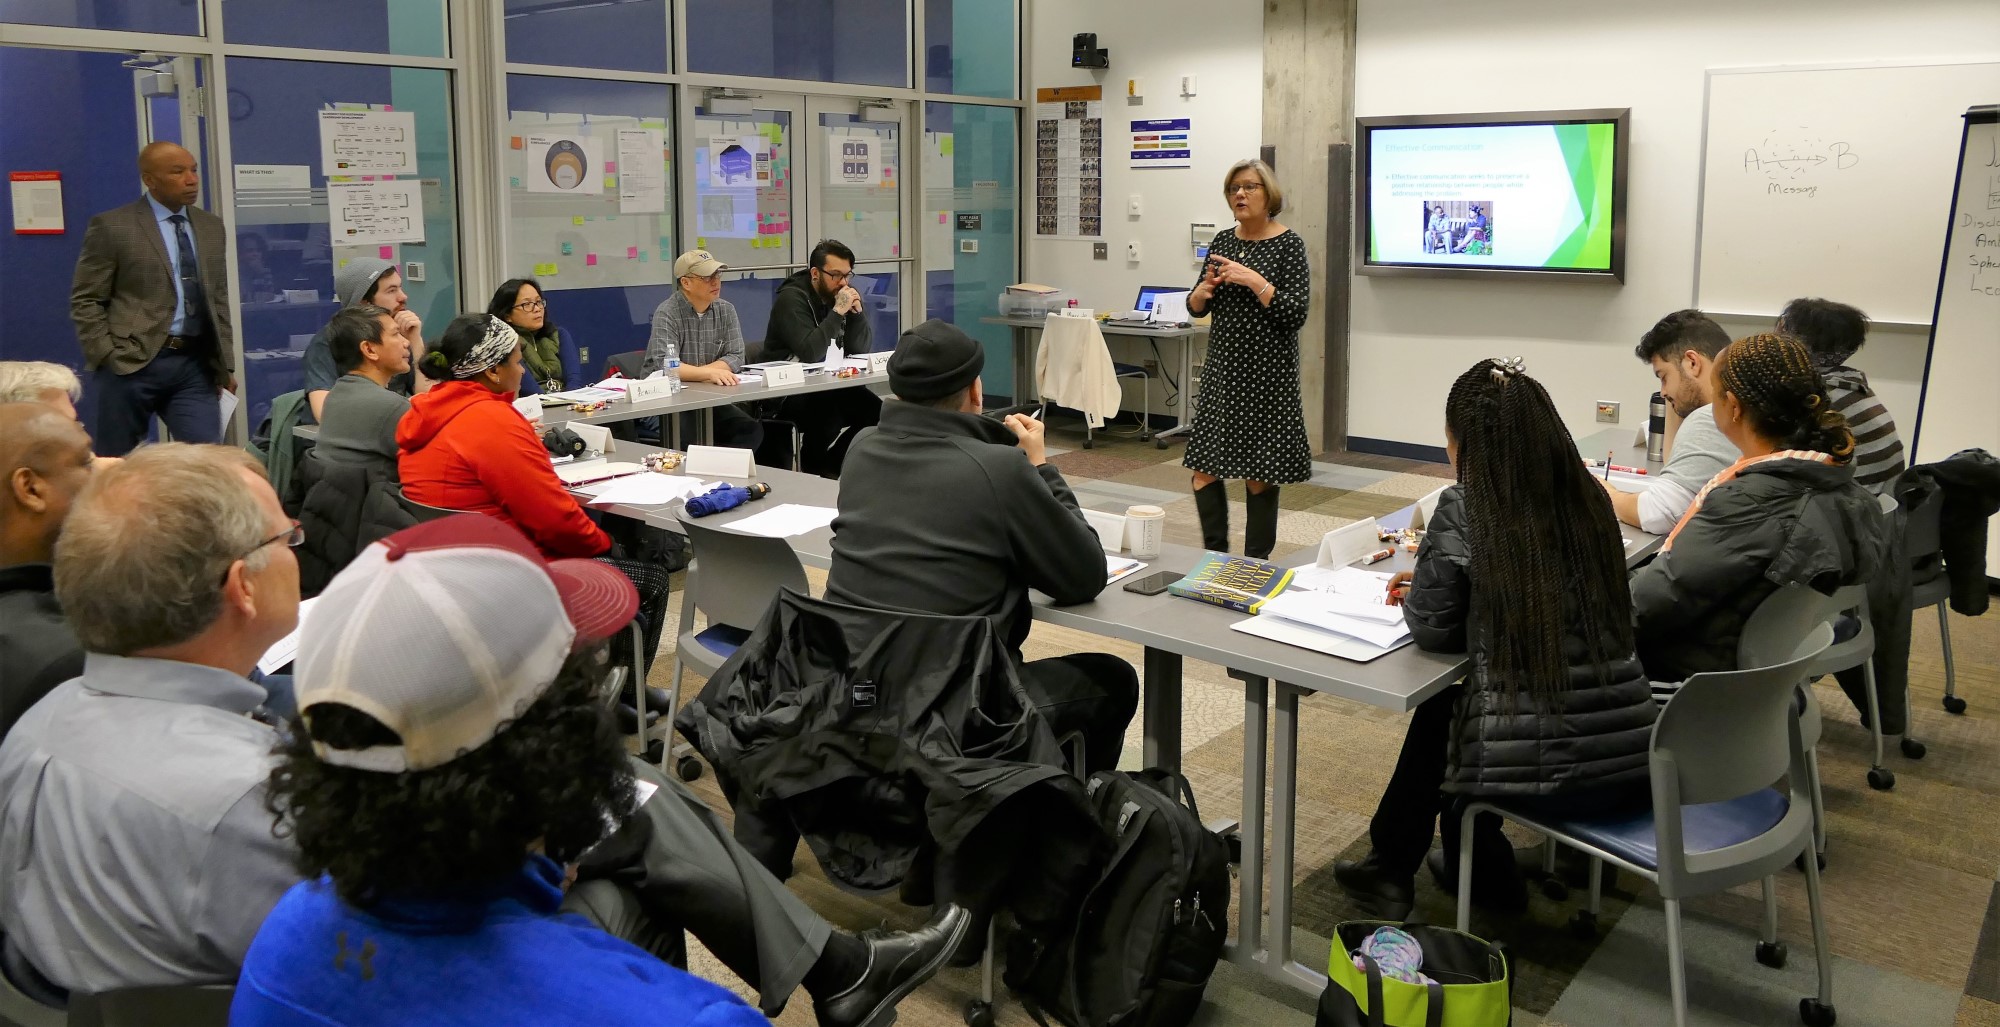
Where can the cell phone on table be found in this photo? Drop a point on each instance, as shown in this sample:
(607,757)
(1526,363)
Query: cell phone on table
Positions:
(1152,584)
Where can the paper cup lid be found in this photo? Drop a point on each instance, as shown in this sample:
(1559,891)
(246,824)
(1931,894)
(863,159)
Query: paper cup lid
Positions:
(1144,511)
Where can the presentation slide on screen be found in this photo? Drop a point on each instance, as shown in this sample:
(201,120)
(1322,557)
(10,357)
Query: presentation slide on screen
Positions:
(1514,196)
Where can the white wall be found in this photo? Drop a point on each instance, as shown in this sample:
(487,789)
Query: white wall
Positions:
(1221,43)
(1411,337)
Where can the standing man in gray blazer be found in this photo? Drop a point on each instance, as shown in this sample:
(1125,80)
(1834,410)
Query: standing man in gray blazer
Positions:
(151,304)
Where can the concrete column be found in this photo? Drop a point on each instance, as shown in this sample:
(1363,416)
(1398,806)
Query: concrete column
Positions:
(1308,118)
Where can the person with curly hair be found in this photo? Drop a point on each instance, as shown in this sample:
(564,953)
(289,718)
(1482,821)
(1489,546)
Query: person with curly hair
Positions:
(1523,567)
(1789,512)
(451,766)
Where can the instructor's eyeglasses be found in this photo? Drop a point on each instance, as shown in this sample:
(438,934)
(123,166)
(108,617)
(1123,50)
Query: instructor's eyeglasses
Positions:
(1245,187)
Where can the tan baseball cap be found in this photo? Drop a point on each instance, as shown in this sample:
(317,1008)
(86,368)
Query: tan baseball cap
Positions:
(699,263)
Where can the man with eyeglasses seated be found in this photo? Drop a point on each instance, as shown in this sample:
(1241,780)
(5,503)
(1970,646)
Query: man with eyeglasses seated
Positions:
(706,336)
(817,310)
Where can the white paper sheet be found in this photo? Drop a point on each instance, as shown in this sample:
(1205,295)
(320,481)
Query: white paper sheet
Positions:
(642,171)
(225,402)
(1118,568)
(647,489)
(596,470)
(564,163)
(371,213)
(590,394)
(367,143)
(1368,620)
(286,649)
(1171,308)
(785,520)
(1346,581)
(1278,629)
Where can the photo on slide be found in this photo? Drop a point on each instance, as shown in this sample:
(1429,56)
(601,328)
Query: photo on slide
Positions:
(1457,227)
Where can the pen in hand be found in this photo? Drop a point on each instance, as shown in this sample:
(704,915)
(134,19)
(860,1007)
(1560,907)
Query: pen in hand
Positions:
(1607,463)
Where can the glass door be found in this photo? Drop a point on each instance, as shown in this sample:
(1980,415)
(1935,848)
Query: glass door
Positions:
(854,193)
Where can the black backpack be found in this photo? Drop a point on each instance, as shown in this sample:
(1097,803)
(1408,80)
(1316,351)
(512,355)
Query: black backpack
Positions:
(1146,935)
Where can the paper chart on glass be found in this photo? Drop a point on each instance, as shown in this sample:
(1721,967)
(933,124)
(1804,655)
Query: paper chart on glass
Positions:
(286,649)
(645,490)
(785,520)
(367,142)
(563,163)
(372,213)
(642,171)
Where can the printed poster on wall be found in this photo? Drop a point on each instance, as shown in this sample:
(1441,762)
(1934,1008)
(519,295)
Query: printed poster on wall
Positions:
(572,164)
(1162,143)
(859,157)
(367,143)
(642,171)
(374,213)
(1069,162)
(739,162)
(38,208)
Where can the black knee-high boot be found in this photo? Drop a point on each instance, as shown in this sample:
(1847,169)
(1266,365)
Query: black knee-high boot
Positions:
(1211,502)
(1260,523)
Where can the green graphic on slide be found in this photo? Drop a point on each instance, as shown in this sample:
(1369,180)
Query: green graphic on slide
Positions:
(1587,149)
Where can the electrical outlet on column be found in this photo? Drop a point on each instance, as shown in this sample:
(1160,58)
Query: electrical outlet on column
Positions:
(1132,252)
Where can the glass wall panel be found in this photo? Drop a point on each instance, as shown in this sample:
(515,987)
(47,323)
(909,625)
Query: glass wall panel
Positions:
(860,41)
(629,36)
(415,28)
(743,187)
(861,191)
(969,47)
(970,172)
(601,244)
(287,271)
(124,15)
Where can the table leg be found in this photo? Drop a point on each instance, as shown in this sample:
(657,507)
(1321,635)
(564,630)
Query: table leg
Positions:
(1284,824)
(708,426)
(1183,418)
(1163,710)
(1247,948)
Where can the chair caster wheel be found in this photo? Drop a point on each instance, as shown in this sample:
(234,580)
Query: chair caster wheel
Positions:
(1583,924)
(980,1014)
(656,752)
(1089,443)
(1800,861)
(1233,842)
(1881,780)
(1554,889)
(1771,954)
(1159,443)
(1953,704)
(1913,749)
(689,768)
(1814,1013)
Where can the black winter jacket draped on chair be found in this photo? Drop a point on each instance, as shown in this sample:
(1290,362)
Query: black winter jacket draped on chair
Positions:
(881,737)
(1592,735)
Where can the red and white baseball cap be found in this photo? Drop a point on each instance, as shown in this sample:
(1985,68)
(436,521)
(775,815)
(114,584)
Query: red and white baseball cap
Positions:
(447,631)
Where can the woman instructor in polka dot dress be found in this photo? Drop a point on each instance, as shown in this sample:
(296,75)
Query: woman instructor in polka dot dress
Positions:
(1249,422)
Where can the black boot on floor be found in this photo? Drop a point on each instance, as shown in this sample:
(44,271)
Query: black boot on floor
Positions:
(1211,502)
(1260,524)
(1379,894)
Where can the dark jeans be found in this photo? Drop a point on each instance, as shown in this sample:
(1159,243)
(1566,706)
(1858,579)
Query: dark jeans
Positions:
(1092,694)
(735,428)
(178,386)
(1399,834)
(822,418)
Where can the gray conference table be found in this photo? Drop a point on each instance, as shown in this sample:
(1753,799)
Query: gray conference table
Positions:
(1027,334)
(1172,631)
(695,397)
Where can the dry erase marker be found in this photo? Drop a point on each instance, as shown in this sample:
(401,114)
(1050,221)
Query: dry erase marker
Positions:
(1621,469)
(1378,556)
(1607,464)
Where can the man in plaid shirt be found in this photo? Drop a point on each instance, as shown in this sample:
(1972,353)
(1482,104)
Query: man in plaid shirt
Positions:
(703,329)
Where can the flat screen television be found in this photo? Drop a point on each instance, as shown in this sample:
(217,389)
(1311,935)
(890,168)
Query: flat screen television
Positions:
(1478,195)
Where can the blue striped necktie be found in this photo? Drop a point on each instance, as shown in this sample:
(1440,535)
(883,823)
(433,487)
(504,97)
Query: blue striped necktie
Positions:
(184,268)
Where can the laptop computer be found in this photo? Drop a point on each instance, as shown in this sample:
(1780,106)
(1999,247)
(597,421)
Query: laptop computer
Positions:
(1158,306)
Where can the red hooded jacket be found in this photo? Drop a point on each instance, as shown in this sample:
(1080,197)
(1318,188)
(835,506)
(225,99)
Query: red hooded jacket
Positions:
(464,447)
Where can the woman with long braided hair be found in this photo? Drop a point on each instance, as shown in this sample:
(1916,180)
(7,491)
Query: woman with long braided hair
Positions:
(1523,567)
(1788,512)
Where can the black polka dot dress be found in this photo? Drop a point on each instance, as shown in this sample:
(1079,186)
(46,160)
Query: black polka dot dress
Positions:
(1248,420)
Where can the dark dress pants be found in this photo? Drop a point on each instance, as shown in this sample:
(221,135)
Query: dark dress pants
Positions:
(827,423)
(178,387)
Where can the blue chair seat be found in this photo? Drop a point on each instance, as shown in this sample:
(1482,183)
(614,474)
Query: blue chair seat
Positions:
(1706,827)
(1845,627)
(722,640)
(1127,370)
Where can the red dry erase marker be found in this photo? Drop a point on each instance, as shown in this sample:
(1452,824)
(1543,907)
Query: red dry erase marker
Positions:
(1378,556)
(1621,469)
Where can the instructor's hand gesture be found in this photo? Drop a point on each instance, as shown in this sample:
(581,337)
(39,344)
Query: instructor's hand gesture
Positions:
(1230,272)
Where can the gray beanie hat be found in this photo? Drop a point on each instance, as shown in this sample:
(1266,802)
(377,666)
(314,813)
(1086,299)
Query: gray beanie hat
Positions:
(354,279)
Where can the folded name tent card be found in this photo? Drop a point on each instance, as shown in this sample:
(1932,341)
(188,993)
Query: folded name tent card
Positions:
(878,363)
(1344,545)
(719,462)
(785,373)
(1110,529)
(596,437)
(650,389)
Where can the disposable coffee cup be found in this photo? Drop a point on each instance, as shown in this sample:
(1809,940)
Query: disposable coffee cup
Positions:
(1145,528)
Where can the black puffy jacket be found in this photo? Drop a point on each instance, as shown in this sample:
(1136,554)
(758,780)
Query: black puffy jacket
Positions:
(346,507)
(1594,734)
(1778,522)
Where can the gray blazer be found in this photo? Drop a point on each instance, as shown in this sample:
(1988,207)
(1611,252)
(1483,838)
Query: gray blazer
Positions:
(122,298)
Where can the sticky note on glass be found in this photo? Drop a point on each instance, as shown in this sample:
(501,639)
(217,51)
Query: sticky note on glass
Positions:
(514,143)
(343,262)
(610,166)
(576,220)
(631,252)
(642,257)
(611,181)
(700,243)
(387,253)
(567,250)
(551,272)
(590,260)
(514,181)
(944,146)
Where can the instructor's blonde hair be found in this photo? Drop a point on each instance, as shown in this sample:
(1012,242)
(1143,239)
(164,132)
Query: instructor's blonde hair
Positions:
(1274,196)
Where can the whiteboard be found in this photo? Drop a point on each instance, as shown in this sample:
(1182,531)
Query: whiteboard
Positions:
(1830,181)
(1958,410)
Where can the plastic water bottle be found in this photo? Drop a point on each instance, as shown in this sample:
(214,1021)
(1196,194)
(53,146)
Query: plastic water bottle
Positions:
(673,367)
